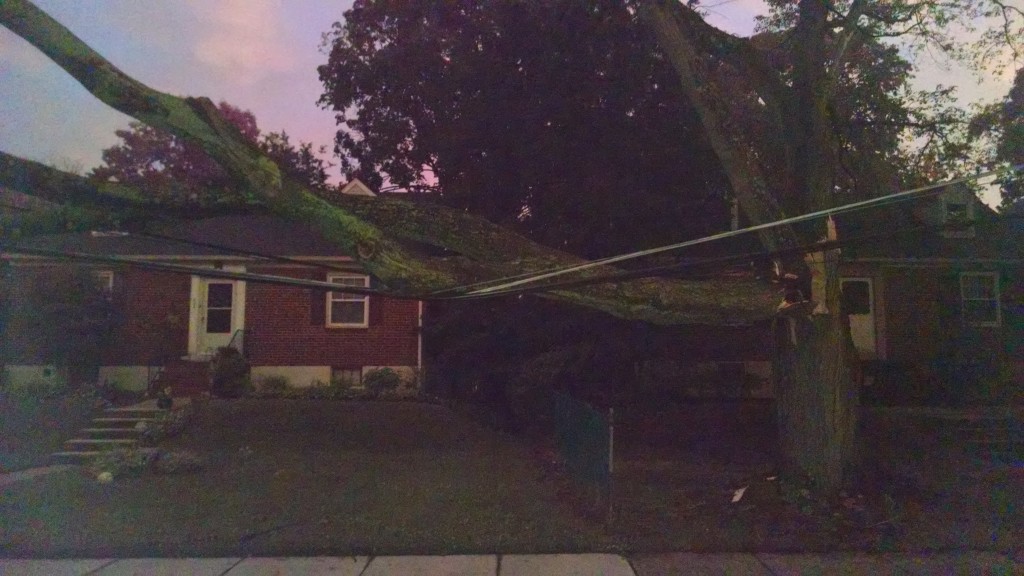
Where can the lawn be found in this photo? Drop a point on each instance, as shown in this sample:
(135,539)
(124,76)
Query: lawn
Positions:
(317,477)
(33,428)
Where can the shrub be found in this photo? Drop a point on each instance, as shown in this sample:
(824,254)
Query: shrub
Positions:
(275,385)
(178,461)
(35,391)
(381,380)
(168,424)
(229,373)
(123,461)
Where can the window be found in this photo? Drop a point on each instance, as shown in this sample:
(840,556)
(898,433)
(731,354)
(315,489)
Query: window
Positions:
(957,217)
(856,297)
(979,298)
(347,377)
(348,310)
(219,306)
(104,281)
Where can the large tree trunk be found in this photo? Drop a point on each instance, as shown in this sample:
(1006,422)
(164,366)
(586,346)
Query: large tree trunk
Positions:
(815,398)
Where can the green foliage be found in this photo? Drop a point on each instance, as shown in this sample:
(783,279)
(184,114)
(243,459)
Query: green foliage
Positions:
(138,461)
(62,317)
(273,385)
(124,462)
(176,171)
(179,461)
(35,391)
(500,101)
(381,380)
(167,425)
(229,373)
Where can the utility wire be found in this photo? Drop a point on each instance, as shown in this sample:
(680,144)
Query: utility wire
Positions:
(241,252)
(205,272)
(514,287)
(522,279)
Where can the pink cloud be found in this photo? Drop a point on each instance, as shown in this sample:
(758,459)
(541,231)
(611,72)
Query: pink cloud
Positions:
(243,40)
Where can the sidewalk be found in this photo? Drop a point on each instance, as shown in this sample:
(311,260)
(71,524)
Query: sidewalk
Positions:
(967,563)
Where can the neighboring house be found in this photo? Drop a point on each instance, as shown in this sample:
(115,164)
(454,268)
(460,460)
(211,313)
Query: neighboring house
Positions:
(172,323)
(936,307)
(935,303)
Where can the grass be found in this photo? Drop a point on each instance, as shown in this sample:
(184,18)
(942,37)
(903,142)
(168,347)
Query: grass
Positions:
(31,429)
(294,477)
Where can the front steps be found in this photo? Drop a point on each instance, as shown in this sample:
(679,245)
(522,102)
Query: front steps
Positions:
(114,429)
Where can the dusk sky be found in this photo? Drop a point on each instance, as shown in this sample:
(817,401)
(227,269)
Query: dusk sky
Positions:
(260,55)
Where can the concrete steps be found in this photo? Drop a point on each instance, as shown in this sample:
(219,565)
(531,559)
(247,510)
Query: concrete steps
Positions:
(114,429)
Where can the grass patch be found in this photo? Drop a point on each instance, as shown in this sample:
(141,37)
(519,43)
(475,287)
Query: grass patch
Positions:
(32,428)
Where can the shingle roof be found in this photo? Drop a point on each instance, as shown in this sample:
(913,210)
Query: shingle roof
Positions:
(903,234)
(261,234)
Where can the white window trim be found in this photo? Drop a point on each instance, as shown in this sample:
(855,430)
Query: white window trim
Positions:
(997,296)
(366,303)
(967,232)
(104,281)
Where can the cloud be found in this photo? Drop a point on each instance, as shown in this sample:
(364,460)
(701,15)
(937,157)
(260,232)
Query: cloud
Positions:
(243,40)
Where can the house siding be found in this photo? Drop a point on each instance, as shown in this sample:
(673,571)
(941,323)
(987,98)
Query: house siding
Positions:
(150,323)
(153,324)
(286,327)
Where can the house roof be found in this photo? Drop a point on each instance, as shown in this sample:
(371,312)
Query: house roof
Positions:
(262,234)
(909,232)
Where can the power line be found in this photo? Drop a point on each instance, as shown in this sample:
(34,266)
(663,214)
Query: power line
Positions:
(521,279)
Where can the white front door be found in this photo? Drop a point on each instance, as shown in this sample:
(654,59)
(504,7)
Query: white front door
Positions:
(218,313)
(859,304)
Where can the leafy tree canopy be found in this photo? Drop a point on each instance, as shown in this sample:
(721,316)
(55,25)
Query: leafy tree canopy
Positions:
(559,118)
(178,171)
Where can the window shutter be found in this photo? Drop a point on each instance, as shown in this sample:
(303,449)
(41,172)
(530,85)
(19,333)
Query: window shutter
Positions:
(318,305)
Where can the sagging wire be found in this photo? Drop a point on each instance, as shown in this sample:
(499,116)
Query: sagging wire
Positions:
(522,279)
(204,272)
(240,252)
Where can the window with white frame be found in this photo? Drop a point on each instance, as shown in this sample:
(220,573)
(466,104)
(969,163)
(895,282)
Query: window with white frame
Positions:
(348,310)
(104,281)
(979,298)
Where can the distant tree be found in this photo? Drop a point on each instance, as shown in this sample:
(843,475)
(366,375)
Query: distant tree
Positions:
(1010,147)
(169,168)
(560,119)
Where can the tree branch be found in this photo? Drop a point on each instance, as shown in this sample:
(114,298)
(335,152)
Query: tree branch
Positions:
(478,250)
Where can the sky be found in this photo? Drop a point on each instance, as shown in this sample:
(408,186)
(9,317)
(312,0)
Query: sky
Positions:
(260,55)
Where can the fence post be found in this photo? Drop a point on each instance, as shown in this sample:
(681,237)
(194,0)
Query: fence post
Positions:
(611,464)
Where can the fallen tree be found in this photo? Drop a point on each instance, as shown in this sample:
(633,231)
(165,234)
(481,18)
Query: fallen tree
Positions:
(816,395)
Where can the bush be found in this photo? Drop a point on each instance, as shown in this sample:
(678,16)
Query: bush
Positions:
(273,386)
(123,462)
(35,391)
(178,461)
(167,425)
(381,380)
(229,374)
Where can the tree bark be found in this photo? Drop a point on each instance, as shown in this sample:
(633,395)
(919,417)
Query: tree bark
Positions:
(815,398)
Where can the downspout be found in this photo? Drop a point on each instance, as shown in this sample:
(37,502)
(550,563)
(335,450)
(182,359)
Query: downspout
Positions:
(419,339)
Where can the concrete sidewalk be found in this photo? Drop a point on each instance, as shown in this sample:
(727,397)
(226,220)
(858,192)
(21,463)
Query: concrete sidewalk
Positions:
(967,563)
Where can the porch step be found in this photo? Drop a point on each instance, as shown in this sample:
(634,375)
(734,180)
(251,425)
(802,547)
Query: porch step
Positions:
(120,422)
(102,442)
(133,413)
(74,457)
(109,432)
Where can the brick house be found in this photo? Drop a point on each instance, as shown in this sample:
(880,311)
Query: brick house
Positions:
(936,309)
(169,324)
(935,305)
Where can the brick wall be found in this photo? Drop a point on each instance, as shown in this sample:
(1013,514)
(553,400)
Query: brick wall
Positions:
(153,325)
(286,327)
(150,315)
